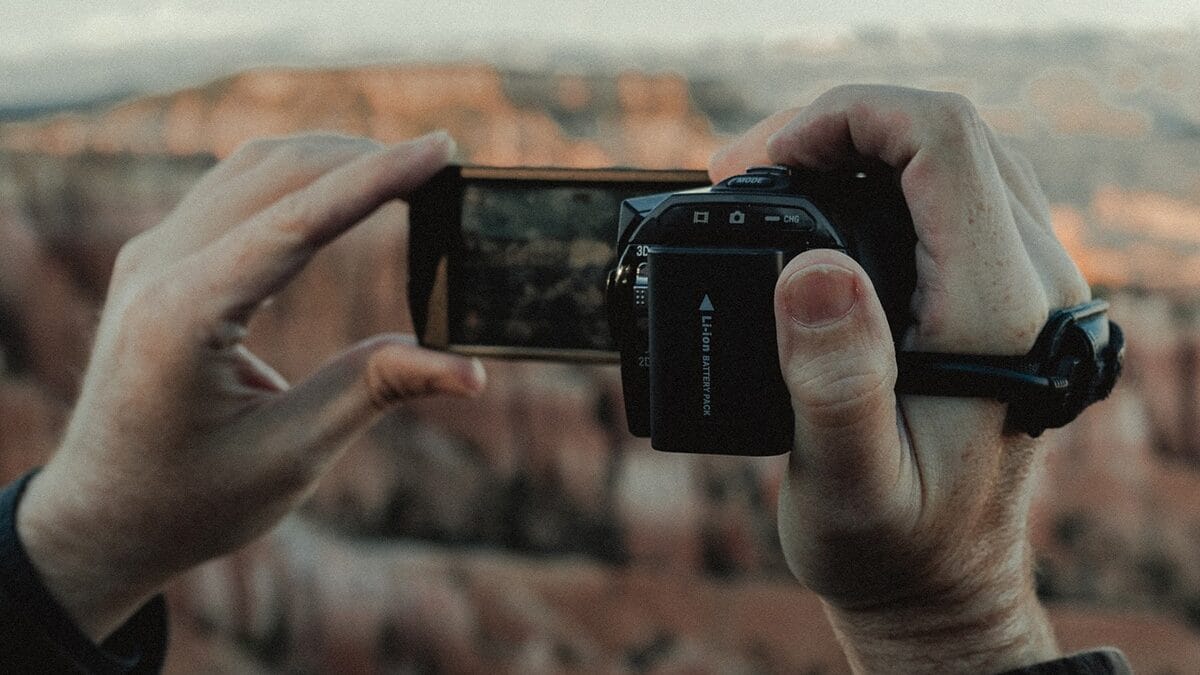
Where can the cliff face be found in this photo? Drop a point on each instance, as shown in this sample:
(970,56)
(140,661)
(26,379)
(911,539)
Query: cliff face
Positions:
(1125,185)
(503,119)
(526,530)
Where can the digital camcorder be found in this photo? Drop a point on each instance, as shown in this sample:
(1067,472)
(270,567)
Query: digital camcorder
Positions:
(674,279)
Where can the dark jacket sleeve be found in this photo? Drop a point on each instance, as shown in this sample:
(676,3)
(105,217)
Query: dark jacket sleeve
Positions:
(37,635)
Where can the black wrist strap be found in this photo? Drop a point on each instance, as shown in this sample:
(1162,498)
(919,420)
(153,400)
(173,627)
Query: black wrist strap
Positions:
(1074,362)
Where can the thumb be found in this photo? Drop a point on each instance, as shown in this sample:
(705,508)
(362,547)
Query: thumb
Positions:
(837,359)
(322,414)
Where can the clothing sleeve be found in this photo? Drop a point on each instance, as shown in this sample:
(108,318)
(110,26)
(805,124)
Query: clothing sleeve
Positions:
(1098,662)
(37,634)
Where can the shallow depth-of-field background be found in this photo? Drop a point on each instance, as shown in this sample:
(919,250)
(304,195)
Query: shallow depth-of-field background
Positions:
(526,531)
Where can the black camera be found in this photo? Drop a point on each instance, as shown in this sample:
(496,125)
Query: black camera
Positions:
(520,263)
(690,301)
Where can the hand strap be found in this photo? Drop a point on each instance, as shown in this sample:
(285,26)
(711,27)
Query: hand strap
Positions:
(1074,363)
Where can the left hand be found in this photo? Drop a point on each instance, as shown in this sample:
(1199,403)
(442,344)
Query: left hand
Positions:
(184,445)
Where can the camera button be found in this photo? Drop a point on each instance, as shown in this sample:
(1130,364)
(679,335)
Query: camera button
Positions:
(751,181)
(789,218)
(774,169)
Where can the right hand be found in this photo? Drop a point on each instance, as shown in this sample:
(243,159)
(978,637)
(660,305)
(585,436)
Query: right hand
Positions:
(908,515)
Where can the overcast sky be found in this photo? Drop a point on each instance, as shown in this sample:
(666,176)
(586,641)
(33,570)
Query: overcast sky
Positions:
(64,48)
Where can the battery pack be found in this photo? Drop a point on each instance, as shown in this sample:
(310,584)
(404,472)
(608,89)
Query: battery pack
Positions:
(715,382)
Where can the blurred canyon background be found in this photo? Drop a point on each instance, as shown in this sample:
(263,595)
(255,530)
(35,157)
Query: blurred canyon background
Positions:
(526,531)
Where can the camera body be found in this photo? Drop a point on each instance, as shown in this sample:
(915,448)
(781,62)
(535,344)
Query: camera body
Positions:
(509,262)
(690,302)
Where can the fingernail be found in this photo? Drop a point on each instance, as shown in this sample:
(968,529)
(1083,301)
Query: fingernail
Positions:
(477,379)
(820,295)
(466,382)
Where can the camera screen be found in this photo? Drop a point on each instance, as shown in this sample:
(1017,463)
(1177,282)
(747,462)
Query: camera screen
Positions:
(530,271)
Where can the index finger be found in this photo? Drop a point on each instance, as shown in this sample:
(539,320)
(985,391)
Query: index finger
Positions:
(749,149)
(977,290)
(254,260)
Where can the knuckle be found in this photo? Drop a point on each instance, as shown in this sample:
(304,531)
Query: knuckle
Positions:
(130,257)
(860,112)
(846,91)
(1072,288)
(290,152)
(162,294)
(387,386)
(317,150)
(148,315)
(843,95)
(956,106)
(959,120)
(294,215)
(347,142)
(158,315)
(1018,323)
(252,152)
(1064,283)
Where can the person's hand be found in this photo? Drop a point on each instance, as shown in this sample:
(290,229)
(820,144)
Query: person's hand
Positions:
(908,516)
(184,445)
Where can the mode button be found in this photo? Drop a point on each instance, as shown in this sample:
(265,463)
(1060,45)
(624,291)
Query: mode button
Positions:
(751,181)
